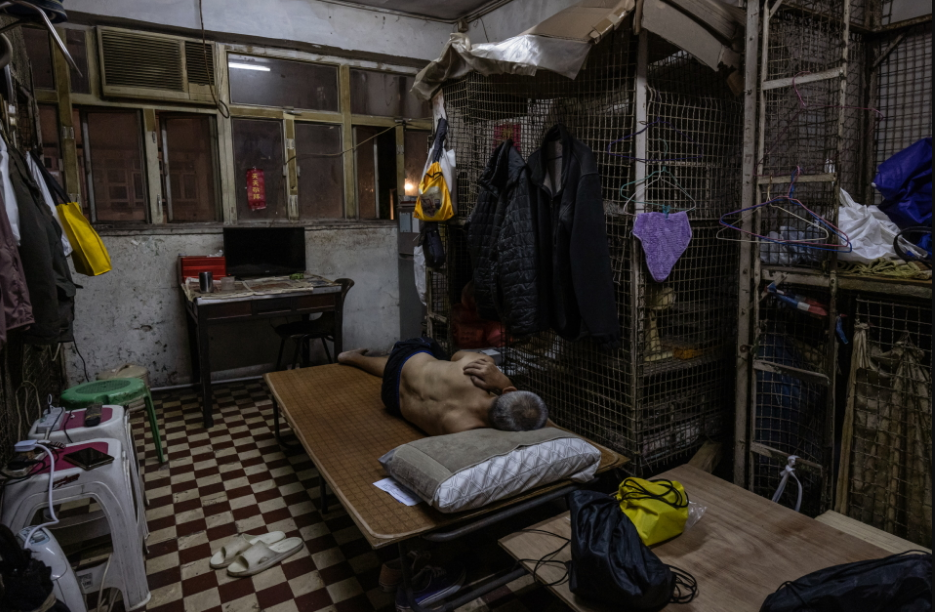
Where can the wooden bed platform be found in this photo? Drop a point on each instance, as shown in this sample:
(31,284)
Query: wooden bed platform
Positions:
(336,413)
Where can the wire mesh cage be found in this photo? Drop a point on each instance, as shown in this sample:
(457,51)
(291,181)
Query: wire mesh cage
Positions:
(887,472)
(812,123)
(793,397)
(669,387)
(903,93)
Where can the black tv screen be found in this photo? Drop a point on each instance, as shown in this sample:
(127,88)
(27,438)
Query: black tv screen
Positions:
(264,251)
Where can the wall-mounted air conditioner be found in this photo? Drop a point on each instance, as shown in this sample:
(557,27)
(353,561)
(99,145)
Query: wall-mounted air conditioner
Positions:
(155,66)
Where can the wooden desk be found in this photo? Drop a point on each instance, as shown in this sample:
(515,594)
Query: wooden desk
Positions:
(202,314)
(742,549)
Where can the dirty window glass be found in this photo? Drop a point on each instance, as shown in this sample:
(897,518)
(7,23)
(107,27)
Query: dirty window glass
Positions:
(321,171)
(385,95)
(114,147)
(76,42)
(417,151)
(376,171)
(190,187)
(51,146)
(284,83)
(258,146)
(40,57)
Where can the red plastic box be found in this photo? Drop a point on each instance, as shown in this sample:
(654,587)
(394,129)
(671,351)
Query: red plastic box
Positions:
(189,267)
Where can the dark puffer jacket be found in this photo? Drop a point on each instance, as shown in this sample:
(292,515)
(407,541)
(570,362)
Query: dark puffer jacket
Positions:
(502,242)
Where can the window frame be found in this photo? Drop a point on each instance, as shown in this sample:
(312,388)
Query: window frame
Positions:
(65,99)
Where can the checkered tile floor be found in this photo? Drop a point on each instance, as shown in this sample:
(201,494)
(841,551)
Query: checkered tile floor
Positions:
(235,478)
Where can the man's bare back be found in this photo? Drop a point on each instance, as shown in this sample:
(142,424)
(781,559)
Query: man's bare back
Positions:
(441,396)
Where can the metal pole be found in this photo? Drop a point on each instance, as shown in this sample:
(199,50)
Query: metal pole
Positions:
(747,293)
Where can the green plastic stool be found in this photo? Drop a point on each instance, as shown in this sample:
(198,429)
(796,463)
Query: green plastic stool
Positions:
(121,391)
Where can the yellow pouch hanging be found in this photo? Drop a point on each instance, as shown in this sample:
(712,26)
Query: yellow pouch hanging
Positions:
(90,256)
(434,202)
(658,508)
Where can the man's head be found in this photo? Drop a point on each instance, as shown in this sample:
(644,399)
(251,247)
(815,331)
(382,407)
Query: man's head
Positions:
(518,411)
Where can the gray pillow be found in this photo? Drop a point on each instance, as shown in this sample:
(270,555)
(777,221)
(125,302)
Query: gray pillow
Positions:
(471,469)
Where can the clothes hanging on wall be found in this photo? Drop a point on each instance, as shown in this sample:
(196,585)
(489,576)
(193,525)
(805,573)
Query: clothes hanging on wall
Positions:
(38,177)
(664,238)
(51,290)
(574,257)
(15,307)
(503,246)
(9,196)
(890,464)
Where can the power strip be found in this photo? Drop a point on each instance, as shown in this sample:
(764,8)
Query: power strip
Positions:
(49,420)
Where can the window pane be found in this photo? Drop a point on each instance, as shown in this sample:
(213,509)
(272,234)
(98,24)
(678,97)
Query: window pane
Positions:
(321,179)
(76,43)
(274,82)
(114,147)
(258,144)
(417,152)
(190,193)
(51,146)
(385,95)
(40,57)
(376,172)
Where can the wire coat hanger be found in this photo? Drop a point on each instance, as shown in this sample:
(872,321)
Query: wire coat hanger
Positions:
(808,244)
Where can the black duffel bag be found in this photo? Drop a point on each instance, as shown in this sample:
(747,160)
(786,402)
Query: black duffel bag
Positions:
(900,583)
(610,563)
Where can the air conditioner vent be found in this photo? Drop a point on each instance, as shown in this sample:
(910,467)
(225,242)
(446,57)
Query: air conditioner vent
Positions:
(137,60)
(195,54)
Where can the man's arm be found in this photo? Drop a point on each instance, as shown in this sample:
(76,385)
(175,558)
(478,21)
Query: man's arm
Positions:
(487,376)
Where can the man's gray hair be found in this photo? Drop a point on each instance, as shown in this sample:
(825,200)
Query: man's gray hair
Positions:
(518,411)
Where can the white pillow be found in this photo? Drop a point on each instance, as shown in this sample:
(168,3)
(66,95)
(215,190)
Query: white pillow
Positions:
(471,469)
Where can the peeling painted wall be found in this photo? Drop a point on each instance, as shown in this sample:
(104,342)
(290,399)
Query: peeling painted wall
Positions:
(135,313)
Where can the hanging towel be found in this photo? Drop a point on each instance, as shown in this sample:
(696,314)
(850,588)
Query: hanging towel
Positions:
(664,238)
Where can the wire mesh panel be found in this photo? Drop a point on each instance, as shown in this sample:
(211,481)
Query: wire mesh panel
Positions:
(890,463)
(904,93)
(791,405)
(669,386)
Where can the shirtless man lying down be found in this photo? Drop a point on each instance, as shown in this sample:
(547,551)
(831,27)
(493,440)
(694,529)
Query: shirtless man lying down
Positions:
(442,396)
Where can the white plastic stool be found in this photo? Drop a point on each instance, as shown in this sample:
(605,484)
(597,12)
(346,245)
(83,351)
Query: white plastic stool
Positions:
(115,423)
(107,485)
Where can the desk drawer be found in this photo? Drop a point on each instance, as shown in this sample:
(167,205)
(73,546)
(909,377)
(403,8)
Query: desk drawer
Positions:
(230,310)
(325,300)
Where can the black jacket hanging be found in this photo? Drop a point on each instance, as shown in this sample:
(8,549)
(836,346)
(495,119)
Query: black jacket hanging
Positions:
(574,257)
(502,241)
(45,265)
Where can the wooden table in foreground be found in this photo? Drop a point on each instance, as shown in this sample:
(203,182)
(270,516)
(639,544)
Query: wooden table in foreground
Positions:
(742,549)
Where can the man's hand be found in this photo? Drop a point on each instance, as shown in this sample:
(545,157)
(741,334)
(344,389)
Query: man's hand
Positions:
(487,376)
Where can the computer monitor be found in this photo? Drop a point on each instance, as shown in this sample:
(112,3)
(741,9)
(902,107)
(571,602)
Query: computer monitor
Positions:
(254,252)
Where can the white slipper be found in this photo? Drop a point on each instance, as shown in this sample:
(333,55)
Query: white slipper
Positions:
(239,543)
(261,557)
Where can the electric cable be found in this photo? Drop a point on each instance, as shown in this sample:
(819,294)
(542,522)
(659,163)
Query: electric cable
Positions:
(221,106)
(548,559)
(100,591)
(54,520)
(84,364)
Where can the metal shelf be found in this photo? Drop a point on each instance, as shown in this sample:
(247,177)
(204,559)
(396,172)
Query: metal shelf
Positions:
(872,284)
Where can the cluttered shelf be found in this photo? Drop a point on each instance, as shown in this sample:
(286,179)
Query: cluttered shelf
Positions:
(816,278)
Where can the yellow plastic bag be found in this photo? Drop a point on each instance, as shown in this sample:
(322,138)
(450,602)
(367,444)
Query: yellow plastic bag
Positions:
(434,203)
(658,508)
(90,256)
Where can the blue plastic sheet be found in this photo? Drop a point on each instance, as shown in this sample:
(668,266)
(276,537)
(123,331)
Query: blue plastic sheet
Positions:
(905,181)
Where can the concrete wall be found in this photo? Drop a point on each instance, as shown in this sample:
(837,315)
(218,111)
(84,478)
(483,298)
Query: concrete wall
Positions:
(134,314)
(304,21)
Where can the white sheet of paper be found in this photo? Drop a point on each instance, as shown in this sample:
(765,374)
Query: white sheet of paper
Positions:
(398,491)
